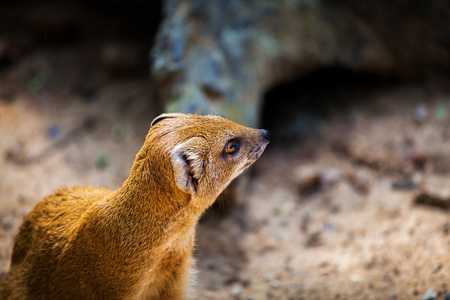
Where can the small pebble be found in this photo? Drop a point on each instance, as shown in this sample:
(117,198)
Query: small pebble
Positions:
(420,113)
(403,185)
(8,223)
(355,278)
(268,277)
(314,240)
(330,227)
(392,295)
(307,179)
(430,295)
(330,176)
(278,211)
(275,285)
(53,131)
(446,228)
(335,208)
(440,112)
(236,291)
(101,160)
(436,269)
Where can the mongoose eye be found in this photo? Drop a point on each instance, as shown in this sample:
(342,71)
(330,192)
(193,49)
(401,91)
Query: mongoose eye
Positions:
(231,147)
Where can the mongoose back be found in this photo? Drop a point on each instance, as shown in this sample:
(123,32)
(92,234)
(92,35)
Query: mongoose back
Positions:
(135,242)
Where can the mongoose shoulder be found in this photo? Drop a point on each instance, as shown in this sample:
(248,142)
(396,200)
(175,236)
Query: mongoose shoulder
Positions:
(135,242)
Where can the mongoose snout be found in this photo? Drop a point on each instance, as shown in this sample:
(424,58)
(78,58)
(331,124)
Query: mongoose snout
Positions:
(135,242)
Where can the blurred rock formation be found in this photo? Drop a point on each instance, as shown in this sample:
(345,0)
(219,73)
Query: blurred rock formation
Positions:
(221,56)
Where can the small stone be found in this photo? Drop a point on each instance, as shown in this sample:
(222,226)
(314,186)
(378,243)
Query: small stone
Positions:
(420,113)
(436,269)
(330,227)
(306,219)
(236,291)
(101,160)
(335,208)
(278,211)
(355,278)
(440,112)
(430,295)
(8,223)
(392,295)
(330,176)
(307,179)
(268,277)
(53,131)
(403,185)
(16,151)
(434,192)
(446,228)
(314,240)
(275,285)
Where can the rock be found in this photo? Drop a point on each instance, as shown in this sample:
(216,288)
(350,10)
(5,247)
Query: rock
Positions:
(440,112)
(53,131)
(446,228)
(420,114)
(8,223)
(392,295)
(314,240)
(436,269)
(403,185)
(16,151)
(275,285)
(434,191)
(223,55)
(330,176)
(360,181)
(311,179)
(101,160)
(307,179)
(430,295)
(306,219)
(268,277)
(236,291)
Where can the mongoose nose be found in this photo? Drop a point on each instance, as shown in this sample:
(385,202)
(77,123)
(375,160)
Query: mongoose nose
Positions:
(265,134)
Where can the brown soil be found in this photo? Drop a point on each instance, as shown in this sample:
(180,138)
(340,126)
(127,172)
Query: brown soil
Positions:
(66,118)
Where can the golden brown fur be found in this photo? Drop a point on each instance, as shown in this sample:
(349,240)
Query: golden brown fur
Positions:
(136,242)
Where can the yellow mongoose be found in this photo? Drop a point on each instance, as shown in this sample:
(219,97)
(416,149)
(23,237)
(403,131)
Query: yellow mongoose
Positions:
(136,242)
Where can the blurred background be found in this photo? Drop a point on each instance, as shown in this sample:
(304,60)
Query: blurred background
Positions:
(350,200)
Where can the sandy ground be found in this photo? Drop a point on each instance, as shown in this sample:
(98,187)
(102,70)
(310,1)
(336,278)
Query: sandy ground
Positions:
(329,215)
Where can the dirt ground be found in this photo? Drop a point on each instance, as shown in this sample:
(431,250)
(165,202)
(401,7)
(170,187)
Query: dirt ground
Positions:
(328,211)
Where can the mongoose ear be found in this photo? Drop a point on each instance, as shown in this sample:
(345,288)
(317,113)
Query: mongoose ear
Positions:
(187,160)
(166,116)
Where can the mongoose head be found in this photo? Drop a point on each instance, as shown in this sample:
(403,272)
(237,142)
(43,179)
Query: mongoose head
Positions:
(205,152)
